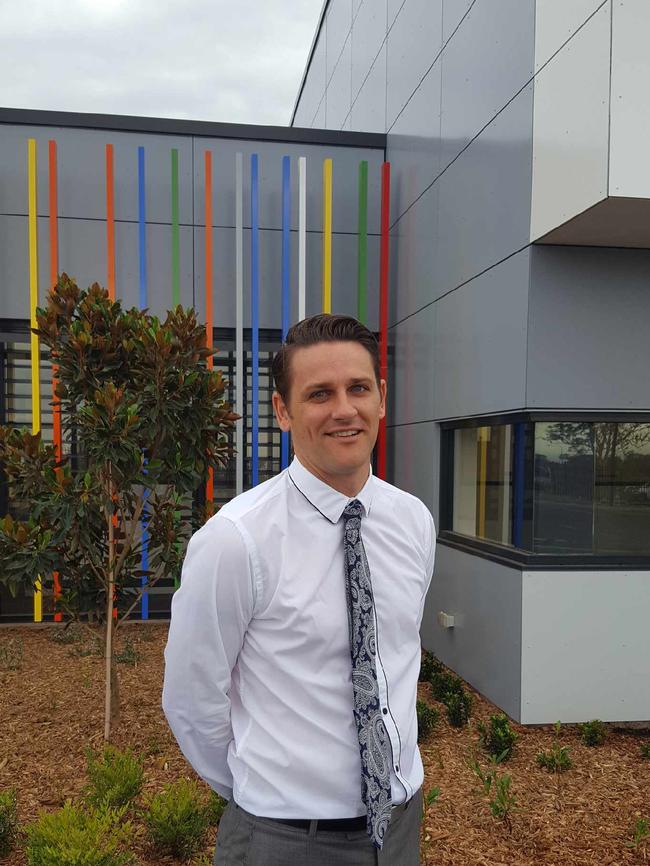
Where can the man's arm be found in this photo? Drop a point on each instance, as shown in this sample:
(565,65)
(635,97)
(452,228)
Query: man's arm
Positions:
(210,614)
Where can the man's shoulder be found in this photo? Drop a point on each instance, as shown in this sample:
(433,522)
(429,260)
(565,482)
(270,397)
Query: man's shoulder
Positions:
(251,501)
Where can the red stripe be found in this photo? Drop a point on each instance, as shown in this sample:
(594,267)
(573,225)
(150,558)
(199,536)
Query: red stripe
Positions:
(383,306)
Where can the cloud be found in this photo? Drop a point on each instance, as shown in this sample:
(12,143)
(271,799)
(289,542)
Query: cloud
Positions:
(199,59)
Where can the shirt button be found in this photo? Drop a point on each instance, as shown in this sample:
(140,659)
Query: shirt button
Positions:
(385,710)
(397,769)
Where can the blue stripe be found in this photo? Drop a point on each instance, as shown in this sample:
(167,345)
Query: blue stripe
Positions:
(519,484)
(255,324)
(142,243)
(142,234)
(286,270)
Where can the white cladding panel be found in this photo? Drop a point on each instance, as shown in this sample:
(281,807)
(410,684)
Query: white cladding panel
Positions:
(571,128)
(556,21)
(585,646)
(629,172)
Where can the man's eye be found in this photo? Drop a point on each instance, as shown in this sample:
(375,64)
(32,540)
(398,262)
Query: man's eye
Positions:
(318,395)
(359,388)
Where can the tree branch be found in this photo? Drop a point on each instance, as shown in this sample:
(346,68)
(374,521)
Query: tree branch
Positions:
(159,573)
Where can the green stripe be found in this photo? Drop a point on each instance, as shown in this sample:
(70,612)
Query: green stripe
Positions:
(362,260)
(176,266)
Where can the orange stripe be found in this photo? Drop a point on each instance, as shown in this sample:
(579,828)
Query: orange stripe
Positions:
(209,486)
(54,276)
(110,221)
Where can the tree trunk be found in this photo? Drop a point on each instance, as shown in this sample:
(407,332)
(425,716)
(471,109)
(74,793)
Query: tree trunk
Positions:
(108,643)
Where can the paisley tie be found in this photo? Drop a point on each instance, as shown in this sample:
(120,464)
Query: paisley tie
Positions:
(374,745)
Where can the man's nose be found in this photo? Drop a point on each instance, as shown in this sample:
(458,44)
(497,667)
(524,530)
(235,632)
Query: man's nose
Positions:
(343,406)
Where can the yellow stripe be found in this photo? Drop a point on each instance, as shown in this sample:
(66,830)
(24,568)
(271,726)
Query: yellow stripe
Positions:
(35,348)
(327,236)
(483,436)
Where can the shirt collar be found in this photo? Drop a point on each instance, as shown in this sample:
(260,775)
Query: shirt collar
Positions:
(324,498)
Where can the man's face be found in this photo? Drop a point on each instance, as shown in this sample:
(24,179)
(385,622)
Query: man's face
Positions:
(333,412)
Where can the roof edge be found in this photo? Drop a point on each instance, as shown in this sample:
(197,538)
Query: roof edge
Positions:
(319,26)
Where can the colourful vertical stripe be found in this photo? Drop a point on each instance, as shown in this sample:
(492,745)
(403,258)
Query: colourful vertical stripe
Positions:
(34,341)
(327,235)
(142,248)
(142,230)
(255,322)
(176,266)
(383,306)
(362,251)
(110,222)
(286,271)
(240,371)
(209,326)
(54,275)
(483,438)
(302,236)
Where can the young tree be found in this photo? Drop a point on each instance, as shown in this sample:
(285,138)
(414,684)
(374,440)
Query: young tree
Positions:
(147,419)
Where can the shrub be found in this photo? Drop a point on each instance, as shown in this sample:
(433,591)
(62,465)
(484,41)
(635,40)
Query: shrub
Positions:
(556,759)
(8,820)
(128,655)
(67,634)
(215,808)
(496,789)
(432,796)
(11,655)
(115,777)
(499,738)
(429,667)
(74,836)
(645,750)
(593,733)
(640,834)
(444,683)
(178,819)
(459,707)
(427,719)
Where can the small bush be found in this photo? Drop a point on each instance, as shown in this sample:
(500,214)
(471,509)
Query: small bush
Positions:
(496,789)
(593,733)
(73,836)
(499,738)
(178,819)
(427,719)
(645,750)
(429,667)
(432,796)
(115,778)
(640,834)
(444,683)
(67,634)
(459,707)
(215,808)
(8,820)
(128,655)
(556,759)
(11,654)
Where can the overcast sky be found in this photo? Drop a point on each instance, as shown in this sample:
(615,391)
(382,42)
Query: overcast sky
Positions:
(236,61)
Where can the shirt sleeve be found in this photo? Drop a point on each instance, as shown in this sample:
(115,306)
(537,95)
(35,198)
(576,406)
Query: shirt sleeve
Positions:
(431,553)
(210,614)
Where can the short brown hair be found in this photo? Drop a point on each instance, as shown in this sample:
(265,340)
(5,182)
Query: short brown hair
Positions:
(323,328)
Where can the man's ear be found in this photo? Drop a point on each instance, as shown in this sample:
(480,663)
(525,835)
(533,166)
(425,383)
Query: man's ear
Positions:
(382,394)
(281,412)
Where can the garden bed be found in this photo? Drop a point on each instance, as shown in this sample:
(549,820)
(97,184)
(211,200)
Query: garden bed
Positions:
(51,709)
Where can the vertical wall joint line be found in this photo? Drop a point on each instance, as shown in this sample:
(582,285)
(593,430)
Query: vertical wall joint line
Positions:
(302,236)
(383,306)
(240,373)
(327,235)
(176,259)
(255,322)
(362,250)
(209,324)
(110,222)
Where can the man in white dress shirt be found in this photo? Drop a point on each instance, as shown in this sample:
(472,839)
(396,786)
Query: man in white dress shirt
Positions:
(258,681)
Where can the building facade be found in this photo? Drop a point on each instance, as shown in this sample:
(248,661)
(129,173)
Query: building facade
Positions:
(520,266)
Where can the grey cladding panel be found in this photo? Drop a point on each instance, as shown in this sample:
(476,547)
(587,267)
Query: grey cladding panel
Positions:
(338,92)
(368,112)
(368,34)
(484,646)
(338,24)
(588,345)
(413,351)
(413,43)
(414,453)
(413,145)
(480,343)
(14,266)
(485,197)
(453,12)
(485,64)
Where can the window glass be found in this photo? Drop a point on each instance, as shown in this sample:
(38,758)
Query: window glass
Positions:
(483,482)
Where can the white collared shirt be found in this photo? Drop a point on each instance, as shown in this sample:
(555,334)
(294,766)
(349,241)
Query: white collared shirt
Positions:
(258,687)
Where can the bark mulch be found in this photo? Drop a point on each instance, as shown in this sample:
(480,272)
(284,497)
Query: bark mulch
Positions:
(51,709)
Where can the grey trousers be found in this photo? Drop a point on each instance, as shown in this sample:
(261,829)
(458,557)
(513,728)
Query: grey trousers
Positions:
(245,840)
